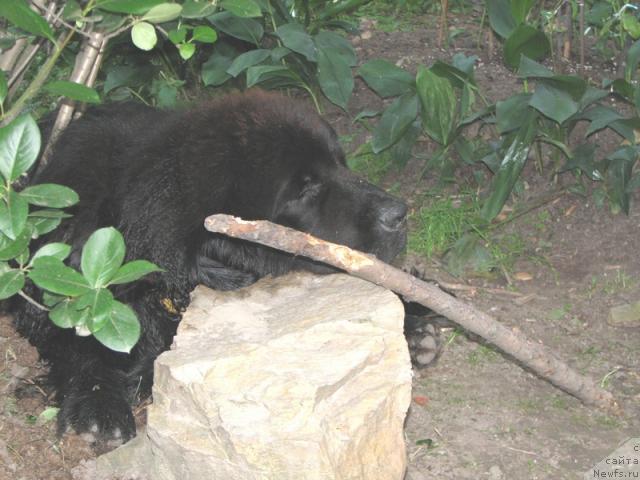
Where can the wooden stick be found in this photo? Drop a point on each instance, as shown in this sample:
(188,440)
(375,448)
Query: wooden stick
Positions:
(532,355)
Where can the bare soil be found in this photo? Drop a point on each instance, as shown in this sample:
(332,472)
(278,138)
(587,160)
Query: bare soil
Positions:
(475,414)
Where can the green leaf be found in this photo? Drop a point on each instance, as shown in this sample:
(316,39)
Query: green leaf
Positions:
(242,8)
(386,79)
(177,35)
(47,415)
(164,12)
(66,315)
(510,113)
(246,29)
(520,9)
(132,271)
(122,330)
(530,68)
(556,99)
(455,76)
(165,92)
(42,225)
(13,214)
(279,53)
(525,40)
(439,105)
(20,15)
(337,45)
(4,87)
(627,128)
(186,50)
(273,76)
(510,167)
(50,195)
(19,147)
(400,152)
(135,7)
(592,95)
(469,253)
(501,17)
(72,10)
(619,176)
(11,282)
(246,60)
(58,250)
(204,34)
(102,256)
(582,158)
(214,70)
(600,117)
(13,248)
(394,122)
(464,64)
(334,77)
(631,25)
(294,37)
(143,36)
(99,303)
(51,274)
(197,9)
(129,75)
(633,58)
(599,13)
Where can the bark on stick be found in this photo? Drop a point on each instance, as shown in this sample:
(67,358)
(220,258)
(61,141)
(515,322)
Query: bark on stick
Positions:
(532,355)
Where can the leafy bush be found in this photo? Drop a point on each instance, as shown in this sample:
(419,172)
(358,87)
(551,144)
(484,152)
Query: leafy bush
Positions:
(76,300)
(439,101)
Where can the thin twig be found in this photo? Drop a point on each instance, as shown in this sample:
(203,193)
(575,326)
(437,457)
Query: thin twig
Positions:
(581,23)
(533,355)
(32,301)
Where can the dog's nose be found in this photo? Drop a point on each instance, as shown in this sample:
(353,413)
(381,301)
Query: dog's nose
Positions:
(393,215)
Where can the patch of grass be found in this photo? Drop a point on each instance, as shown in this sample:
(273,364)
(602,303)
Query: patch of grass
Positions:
(506,249)
(440,223)
(608,421)
(482,354)
(530,405)
(372,167)
(443,221)
(617,283)
(561,312)
(559,402)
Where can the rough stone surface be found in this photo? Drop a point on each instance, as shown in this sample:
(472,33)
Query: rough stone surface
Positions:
(299,377)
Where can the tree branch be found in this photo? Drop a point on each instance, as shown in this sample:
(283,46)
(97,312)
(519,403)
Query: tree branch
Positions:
(533,355)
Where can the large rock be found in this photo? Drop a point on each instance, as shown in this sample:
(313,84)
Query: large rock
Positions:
(299,377)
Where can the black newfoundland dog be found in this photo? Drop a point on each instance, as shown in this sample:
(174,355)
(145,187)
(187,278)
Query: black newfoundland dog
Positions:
(155,175)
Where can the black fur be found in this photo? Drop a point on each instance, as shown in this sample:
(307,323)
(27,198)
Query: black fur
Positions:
(155,176)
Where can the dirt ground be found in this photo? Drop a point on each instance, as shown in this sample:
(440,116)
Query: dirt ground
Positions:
(475,414)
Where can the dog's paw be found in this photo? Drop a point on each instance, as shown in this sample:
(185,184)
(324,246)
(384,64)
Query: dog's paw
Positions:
(424,341)
(97,416)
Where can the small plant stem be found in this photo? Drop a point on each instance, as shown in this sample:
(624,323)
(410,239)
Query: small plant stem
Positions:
(581,23)
(313,97)
(444,7)
(481,29)
(85,63)
(37,82)
(533,204)
(32,301)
